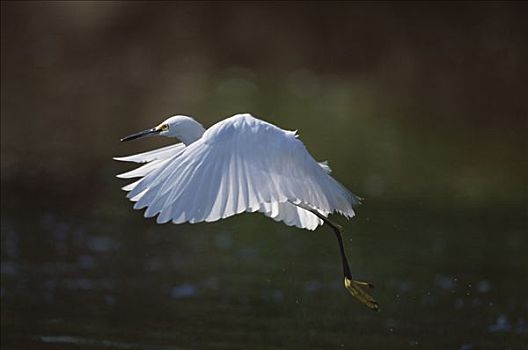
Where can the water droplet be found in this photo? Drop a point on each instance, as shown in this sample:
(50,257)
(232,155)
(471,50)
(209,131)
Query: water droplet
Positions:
(186,290)
(501,325)
(483,286)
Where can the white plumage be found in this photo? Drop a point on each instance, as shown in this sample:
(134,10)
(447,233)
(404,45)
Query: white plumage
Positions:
(240,164)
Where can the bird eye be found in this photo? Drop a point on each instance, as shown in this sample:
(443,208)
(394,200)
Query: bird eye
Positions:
(165,127)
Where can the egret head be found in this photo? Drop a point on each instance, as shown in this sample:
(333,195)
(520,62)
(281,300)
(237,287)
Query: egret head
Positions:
(182,127)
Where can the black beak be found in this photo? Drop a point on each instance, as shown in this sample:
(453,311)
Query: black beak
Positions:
(137,135)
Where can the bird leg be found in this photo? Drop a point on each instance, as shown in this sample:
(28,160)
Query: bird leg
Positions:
(354,287)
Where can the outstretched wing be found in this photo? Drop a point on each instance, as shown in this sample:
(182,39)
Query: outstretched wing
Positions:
(240,164)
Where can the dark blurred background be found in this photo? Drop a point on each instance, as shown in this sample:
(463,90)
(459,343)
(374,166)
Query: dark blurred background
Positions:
(419,107)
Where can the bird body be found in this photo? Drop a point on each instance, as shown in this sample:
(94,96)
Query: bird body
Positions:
(240,164)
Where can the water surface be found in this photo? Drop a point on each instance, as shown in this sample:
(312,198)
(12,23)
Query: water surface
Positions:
(101,276)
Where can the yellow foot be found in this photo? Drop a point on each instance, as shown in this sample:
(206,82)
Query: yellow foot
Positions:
(354,287)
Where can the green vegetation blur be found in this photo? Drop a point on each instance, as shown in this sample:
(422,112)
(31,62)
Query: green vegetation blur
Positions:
(408,102)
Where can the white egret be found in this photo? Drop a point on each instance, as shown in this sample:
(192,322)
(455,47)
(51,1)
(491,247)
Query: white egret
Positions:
(241,164)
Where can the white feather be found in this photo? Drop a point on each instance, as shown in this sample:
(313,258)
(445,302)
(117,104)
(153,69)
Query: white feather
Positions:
(160,153)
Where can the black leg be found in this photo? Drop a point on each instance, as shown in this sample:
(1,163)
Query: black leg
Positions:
(354,287)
